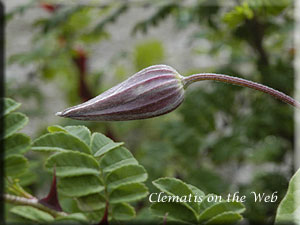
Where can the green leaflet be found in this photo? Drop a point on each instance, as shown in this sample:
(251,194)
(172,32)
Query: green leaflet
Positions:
(31,213)
(128,193)
(203,210)
(72,163)
(17,144)
(80,186)
(81,132)
(14,122)
(123,211)
(107,148)
(289,208)
(175,211)
(91,202)
(176,187)
(60,141)
(10,106)
(15,165)
(73,216)
(219,208)
(117,158)
(98,141)
(125,175)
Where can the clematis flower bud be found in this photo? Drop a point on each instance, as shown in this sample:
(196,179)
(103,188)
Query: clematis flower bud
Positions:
(153,91)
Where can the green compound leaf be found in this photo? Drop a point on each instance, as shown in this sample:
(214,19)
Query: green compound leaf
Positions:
(59,141)
(99,141)
(17,144)
(15,165)
(13,123)
(10,106)
(174,211)
(176,187)
(71,163)
(117,158)
(219,208)
(91,202)
(80,186)
(123,211)
(107,148)
(125,175)
(225,218)
(128,193)
(31,213)
(289,208)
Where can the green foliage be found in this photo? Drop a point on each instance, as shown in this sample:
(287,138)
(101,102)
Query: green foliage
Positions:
(32,214)
(288,209)
(148,53)
(190,205)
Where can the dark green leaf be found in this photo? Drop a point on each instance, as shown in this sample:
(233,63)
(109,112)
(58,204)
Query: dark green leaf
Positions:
(16,144)
(117,158)
(123,211)
(176,187)
(220,208)
(91,202)
(59,141)
(126,175)
(225,218)
(14,122)
(31,213)
(15,165)
(70,164)
(128,193)
(80,186)
(174,211)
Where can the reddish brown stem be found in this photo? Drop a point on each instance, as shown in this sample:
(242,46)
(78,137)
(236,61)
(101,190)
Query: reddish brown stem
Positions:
(241,82)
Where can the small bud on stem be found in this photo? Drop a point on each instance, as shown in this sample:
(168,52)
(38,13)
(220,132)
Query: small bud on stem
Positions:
(152,92)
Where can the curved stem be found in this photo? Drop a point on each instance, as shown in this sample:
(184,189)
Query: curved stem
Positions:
(31,202)
(241,82)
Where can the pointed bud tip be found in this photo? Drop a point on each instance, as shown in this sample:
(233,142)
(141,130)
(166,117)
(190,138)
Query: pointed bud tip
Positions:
(58,114)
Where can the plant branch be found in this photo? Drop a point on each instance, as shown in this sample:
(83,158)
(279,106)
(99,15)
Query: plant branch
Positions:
(31,202)
(241,82)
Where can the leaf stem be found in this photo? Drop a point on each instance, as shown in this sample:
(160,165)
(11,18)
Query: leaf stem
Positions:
(31,202)
(241,82)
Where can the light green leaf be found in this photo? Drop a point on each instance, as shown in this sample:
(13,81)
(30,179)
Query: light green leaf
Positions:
(206,202)
(123,211)
(126,175)
(220,208)
(176,187)
(73,216)
(16,144)
(13,123)
(59,141)
(80,186)
(56,128)
(225,218)
(71,163)
(10,105)
(289,208)
(98,141)
(128,193)
(15,165)
(31,213)
(107,148)
(81,132)
(117,158)
(174,211)
(91,202)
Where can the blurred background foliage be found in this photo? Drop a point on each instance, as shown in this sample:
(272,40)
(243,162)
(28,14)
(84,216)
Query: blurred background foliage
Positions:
(223,138)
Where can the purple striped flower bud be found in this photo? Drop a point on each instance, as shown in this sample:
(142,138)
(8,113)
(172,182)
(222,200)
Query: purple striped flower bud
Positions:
(153,91)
